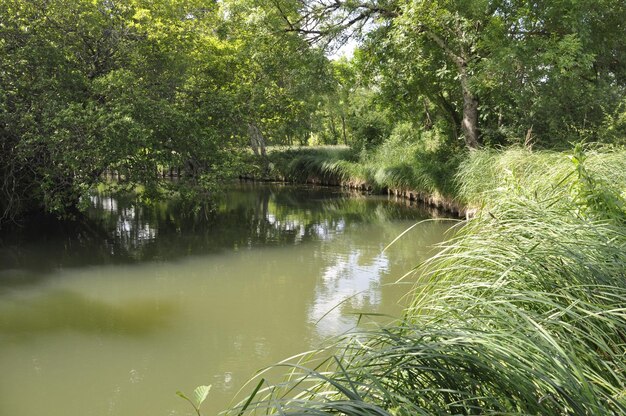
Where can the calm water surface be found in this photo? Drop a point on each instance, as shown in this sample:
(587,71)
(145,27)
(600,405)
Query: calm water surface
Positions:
(112,318)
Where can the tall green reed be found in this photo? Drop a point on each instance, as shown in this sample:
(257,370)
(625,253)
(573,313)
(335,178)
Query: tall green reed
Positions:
(393,165)
(523,311)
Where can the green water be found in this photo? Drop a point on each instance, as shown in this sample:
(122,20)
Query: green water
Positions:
(113,316)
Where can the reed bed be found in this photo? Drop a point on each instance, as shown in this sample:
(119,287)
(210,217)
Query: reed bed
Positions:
(522,312)
(392,166)
(487,174)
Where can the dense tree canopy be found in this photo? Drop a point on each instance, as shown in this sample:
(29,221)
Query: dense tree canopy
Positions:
(89,86)
(496,71)
(140,87)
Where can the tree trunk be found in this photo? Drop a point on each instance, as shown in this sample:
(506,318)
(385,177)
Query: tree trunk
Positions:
(333,130)
(469,124)
(428,122)
(450,111)
(257,141)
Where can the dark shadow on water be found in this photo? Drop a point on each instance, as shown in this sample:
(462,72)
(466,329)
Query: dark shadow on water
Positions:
(120,230)
(60,311)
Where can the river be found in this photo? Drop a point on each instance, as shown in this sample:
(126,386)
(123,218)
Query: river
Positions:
(114,317)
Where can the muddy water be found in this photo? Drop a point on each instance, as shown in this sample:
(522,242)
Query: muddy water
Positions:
(113,316)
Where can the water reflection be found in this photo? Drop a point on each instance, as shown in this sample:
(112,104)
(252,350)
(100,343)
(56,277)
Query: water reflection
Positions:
(116,313)
(121,230)
(350,283)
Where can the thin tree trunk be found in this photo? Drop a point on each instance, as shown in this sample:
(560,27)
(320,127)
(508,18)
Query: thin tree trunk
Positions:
(469,124)
(333,129)
(257,141)
(450,111)
(428,124)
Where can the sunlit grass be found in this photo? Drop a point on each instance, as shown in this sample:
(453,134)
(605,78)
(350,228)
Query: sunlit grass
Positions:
(523,311)
(488,175)
(392,166)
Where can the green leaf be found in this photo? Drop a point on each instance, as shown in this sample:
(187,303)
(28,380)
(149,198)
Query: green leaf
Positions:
(182,395)
(200,394)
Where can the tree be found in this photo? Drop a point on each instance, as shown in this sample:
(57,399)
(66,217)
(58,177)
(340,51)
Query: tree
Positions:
(139,87)
(440,24)
(497,54)
(94,85)
(556,69)
(335,105)
(279,77)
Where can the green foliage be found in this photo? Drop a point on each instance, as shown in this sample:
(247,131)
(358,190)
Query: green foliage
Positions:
(490,175)
(321,163)
(414,160)
(613,128)
(593,194)
(278,77)
(409,161)
(139,88)
(542,73)
(110,91)
(198,397)
(335,107)
(368,124)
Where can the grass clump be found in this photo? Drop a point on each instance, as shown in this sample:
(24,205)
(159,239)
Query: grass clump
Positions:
(412,166)
(400,163)
(300,164)
(522,312)
(489,175)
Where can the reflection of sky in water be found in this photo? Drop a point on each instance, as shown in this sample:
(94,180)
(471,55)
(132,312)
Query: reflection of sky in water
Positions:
(107,203)
(135,229)
(323,230)
(129,224)
(119,337)
(349,284)
(347,280)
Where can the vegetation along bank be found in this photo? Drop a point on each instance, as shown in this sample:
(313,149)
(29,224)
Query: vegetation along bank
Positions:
(139,88)
(522,312)
(394,169)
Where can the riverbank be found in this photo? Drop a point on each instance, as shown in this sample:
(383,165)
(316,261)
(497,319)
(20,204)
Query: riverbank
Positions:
(522,312)
(392,170)
(459,185)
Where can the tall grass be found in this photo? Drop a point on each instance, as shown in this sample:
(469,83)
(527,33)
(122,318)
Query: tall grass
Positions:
(330,163)
(393,165)
(485,176)
(522,312)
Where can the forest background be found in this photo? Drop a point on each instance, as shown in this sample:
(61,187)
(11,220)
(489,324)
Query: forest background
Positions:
(145,88)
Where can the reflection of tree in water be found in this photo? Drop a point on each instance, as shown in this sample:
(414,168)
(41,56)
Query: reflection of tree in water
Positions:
(121,230)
